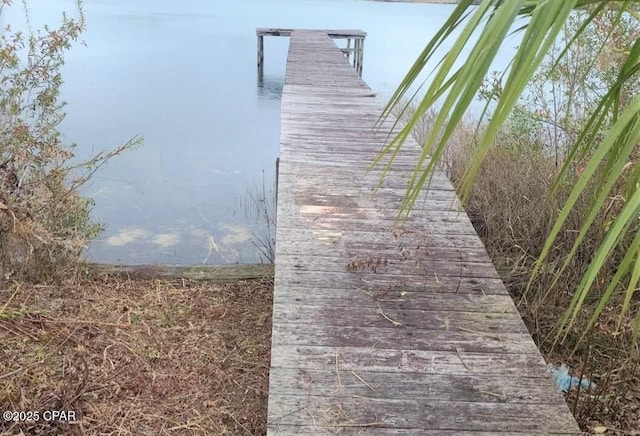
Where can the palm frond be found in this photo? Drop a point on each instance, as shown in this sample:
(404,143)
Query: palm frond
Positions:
(609,137)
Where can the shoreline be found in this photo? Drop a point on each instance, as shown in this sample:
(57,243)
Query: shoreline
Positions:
(438,2)
(215,273)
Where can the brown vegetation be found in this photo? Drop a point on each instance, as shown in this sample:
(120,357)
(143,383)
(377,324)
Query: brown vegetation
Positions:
(512,210)
(526,174)
(137,357)
(44,221)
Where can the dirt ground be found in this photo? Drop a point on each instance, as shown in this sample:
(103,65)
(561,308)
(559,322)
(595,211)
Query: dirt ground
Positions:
(136,357)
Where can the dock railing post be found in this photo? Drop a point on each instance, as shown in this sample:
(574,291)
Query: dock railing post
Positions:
(360,55)
(356,54)
(260,57)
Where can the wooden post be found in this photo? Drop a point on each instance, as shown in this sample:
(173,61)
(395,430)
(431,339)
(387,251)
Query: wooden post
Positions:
(356,53)
(260,57)
(360,55)
(349,49)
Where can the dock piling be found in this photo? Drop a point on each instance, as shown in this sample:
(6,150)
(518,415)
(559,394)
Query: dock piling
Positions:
(260,57)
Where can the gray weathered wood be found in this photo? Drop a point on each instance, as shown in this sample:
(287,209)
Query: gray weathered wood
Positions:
(334,381)
(394,265)
(330,53)
(388,299)
(281,430)
(448,282)
(376,413)
(381,326)
(398,360)
(333,33)
(379,314)
(458,339)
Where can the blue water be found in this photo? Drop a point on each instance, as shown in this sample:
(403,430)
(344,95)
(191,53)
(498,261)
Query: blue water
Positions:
(183,76)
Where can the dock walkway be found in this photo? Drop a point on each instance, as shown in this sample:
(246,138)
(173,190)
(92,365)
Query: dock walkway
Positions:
(353,54)
(376,330)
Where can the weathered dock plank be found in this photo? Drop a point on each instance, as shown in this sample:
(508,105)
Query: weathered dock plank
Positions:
(374,337)
(366,431)
(425,300)
(378,314)
(374,413)
(374,282)
(410,361)
(379,328)
(341,383)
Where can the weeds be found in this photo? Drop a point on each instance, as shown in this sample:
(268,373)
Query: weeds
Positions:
(512,208)
(44,222)
(260,207)
(135,357)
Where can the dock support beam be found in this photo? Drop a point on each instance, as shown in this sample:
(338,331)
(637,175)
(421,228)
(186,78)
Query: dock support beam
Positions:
(260,57)
(358,56)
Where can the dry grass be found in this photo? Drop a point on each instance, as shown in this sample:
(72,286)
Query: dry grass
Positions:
(512,212)
(607,358)
(137,357)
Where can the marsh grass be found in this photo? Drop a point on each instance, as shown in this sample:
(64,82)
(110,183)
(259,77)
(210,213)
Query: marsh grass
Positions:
(260,208)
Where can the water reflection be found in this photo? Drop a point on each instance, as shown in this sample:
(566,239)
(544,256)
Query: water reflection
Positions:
(270,87)
(183,244)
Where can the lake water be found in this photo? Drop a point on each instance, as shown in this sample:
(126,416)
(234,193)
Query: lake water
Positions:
(183,76)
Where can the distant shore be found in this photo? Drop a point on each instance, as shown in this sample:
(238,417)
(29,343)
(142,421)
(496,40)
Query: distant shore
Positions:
(442,2)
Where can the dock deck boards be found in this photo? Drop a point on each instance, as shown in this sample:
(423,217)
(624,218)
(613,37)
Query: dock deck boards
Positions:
(379,330)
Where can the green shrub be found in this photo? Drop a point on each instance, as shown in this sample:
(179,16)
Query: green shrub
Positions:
(44,221)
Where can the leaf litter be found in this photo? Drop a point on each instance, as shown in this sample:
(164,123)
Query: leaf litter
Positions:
(137,356)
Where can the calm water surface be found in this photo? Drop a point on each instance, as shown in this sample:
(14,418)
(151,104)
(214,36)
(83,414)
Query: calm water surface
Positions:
(183,75)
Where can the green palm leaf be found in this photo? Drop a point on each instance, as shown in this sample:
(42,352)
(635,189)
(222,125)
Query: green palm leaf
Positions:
(608,139)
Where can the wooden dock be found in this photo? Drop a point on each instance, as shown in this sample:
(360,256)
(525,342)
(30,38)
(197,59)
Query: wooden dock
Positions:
(380,330)
(354,54)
